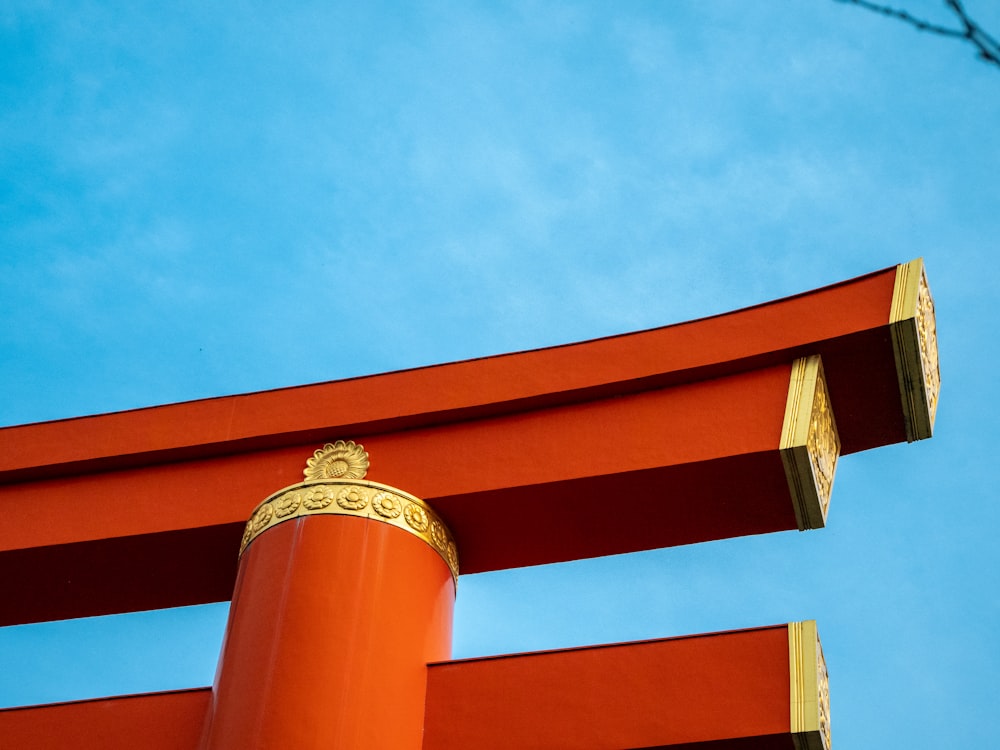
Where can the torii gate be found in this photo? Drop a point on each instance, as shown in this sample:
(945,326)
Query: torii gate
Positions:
(343,584)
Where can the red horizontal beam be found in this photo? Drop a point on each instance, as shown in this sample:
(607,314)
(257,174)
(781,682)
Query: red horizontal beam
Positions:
(750,689)
(660,468)
(729,690)
(846,323)
(658,438)
(155,721)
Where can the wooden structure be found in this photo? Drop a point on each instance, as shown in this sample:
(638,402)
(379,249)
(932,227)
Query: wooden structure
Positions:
(343,583)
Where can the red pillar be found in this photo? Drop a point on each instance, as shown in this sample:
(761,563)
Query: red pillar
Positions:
(340,603)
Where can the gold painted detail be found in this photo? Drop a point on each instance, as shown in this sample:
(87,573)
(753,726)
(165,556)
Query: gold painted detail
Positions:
(914,339)
(354,497)
(823,685)
(810,688)
(344,459)
(810,444)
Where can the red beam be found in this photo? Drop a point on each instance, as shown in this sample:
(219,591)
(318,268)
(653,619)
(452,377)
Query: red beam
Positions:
(757,689)
(155,721)
(846,323)
(596,448)
(726,690)
(654,469)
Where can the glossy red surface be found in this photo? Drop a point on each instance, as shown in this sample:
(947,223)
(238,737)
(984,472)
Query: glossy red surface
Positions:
(729,690)
(155,721)
(847,323)
(142,509)
(333,622)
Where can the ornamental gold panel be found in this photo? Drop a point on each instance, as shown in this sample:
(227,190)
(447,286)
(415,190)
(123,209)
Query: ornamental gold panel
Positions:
(810,688)
(351,495)
(913,327)
(810,444)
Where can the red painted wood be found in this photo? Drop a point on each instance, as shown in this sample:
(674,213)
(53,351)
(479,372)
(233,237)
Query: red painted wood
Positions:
(730,690)
(670,466)
(722,691)
(119,574)
(156,721)
(333,622)
(141,509)
(850,318)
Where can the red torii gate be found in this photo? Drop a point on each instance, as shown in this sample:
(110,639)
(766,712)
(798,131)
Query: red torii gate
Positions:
(340,628)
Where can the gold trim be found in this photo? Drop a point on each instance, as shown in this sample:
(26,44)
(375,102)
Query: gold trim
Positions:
(354,497)
(810,445)
(810,688)
(914,343)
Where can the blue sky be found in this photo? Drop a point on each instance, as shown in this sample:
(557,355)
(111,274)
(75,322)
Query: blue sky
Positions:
(205,199)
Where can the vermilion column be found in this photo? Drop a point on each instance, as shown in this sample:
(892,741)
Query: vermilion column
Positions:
(345,592)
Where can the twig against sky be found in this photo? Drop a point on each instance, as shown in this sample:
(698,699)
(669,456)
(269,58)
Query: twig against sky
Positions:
(987,48)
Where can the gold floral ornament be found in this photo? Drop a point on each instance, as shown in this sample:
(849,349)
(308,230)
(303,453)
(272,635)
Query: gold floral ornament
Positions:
(352,498)
(344,459)
(387,505)
(335,485)
(416,517)
(823,444)
(287,504)
(262,517)
(317,498)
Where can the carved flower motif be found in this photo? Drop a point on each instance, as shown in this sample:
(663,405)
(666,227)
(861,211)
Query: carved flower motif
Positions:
(262,517)
(287,504)
(823,678)
(927,341)
(317,498)
(416,517)
(451,553)
(340,460)
(247,533)
(438,535)
(387,505)
(352,498)
(823,443)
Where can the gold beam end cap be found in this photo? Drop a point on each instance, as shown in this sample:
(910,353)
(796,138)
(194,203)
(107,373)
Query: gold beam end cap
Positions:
(810,688)
(913,326)
(810,443)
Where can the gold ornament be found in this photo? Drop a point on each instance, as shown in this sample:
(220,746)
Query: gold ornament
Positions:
(810,444)
(344,459)
(914,340)
(334,485)
(387,505)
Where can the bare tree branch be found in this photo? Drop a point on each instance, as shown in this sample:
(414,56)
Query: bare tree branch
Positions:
(987,47)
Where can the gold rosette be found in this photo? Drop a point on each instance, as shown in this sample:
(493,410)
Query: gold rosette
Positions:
(334,485)
(344,459)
